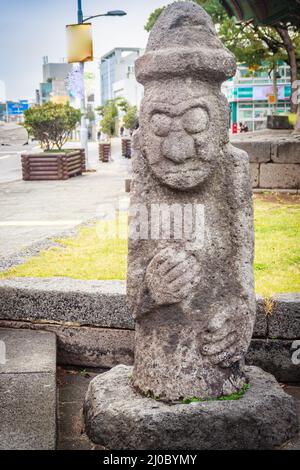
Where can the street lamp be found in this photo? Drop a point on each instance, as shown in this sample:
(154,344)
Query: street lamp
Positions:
(83,127)
(109,13)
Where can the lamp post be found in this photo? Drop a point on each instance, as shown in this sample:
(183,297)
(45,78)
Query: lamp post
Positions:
(83,126)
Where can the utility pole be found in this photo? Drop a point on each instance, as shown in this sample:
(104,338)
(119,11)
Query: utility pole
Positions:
(83,127)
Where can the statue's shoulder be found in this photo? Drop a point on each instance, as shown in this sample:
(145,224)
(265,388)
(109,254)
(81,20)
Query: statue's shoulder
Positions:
(237,156)
(238,172)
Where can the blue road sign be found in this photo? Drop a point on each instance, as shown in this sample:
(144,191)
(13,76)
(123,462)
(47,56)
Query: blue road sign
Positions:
(17,108)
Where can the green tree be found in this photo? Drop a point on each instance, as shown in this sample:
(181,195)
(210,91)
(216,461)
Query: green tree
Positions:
(110,114)
(255,46)
(51,124)
(131,117)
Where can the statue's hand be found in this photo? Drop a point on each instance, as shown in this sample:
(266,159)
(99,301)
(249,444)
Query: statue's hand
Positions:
(171,275)
(221,342)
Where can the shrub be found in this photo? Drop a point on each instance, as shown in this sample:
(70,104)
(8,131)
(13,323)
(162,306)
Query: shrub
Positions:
(51,124)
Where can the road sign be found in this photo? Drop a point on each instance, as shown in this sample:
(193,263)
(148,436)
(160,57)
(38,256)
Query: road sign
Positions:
(271,99)
(17,108)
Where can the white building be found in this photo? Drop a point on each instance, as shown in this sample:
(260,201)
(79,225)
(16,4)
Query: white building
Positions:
(129,89)
(117,76)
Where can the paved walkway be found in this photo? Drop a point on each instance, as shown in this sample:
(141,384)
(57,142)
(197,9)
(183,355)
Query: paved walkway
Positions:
(33,210)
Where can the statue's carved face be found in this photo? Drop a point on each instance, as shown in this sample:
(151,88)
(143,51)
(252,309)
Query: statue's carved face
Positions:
(181,141)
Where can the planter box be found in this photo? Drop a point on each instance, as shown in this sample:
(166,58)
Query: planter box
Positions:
(53,166)
(104,152)
(126,148)
(278,122)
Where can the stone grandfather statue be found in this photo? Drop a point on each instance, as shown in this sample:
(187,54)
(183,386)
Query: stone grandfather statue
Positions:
(192,291)
(190,277)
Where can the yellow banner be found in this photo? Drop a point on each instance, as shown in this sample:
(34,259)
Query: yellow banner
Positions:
(79,42)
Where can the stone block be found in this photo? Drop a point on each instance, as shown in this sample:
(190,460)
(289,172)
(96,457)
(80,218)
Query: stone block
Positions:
(261,325)
(264,418)
(258,151)
(287,152)
(284,322)
(28,391)
(99,303)
(279,176)
(86,346)
(254,172)
(275,357)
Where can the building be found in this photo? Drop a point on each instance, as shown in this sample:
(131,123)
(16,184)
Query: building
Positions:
(117,75)
(249,96)
(54,85)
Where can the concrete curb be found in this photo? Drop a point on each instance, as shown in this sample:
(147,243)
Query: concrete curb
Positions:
(95,327)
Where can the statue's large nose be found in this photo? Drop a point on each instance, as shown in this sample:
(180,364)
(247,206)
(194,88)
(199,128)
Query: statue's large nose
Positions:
(178,147)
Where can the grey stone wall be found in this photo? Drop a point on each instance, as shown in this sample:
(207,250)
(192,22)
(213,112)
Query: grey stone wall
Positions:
(95,328)
(276,337)
(274,164)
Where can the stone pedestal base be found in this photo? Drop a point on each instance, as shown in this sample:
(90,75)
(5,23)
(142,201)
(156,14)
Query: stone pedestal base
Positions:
(117,417)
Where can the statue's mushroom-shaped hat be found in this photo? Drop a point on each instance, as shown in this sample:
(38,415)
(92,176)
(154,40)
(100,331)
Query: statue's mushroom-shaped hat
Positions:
(183,43)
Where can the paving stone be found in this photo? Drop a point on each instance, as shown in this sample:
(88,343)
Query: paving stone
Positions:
(28,391)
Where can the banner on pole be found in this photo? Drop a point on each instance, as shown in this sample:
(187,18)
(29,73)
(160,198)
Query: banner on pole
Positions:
(79,43)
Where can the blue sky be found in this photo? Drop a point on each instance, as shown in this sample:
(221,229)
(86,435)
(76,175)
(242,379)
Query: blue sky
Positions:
(31,29)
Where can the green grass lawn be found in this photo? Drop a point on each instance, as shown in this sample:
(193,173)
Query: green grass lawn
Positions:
(277,250)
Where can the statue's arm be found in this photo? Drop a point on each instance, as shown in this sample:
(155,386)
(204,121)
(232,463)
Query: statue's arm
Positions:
(240,199)
(229,334)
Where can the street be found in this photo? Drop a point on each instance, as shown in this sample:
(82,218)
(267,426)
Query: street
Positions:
(33,210)
(10,163)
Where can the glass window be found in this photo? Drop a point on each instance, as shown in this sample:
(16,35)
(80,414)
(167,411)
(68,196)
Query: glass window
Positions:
(249,124)
(245,114)
(259,125)
(260,113)
(261,105)
(248,106)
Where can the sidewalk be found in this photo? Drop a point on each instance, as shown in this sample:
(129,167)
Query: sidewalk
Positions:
(33,210)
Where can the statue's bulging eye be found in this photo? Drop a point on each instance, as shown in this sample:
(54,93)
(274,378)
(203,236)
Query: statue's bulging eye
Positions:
(161,124)
(195,120)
